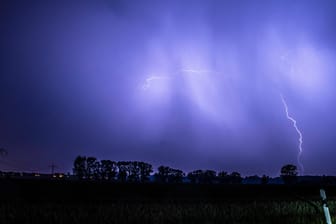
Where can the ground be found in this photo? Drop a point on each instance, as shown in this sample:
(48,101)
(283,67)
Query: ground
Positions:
(45,201)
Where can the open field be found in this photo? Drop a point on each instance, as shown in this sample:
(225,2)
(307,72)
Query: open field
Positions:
(37,201)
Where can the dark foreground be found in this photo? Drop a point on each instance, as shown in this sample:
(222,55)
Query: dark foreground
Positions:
(42,201)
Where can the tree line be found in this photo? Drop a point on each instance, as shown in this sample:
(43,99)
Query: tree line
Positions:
(131,171)
(136,171)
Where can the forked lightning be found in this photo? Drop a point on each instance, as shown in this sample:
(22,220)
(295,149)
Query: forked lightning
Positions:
(298,131)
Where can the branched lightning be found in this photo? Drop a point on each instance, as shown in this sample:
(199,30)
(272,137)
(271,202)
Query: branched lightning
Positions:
(298,131)
(152,78)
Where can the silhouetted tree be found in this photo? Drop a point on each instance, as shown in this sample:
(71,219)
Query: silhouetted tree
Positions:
(175,176)
(255,179)
(92,167)
(80,168)
(223,177)
(145,170)
(163,174)
(235,178)
(167,174)
(133,171)
(202,176)
(123,170)
(209,176)
(108,169)
(289,174)
(264,179)
(193,176)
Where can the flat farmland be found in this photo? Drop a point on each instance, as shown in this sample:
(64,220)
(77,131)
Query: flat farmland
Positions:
(49,201)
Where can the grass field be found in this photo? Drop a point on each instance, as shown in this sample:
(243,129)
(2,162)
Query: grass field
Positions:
(167,212)
(60,202)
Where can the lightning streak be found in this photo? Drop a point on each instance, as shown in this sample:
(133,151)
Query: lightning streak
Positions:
(151,79)
(298,131)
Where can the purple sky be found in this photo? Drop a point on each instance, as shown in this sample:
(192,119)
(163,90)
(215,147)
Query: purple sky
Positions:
(189,84)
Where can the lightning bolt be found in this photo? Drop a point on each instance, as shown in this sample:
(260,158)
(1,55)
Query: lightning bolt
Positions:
(152,78)
(298,131)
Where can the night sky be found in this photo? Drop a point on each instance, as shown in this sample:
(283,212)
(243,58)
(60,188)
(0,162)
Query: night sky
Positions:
(186,83)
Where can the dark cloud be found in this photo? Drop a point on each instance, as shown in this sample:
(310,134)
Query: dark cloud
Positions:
(192,84)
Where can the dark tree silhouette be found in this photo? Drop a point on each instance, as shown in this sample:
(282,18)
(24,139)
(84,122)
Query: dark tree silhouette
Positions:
(145,170)
(223,177)
(255,179)
(123,171)
(92,168)
(265,179)
(108,169)
(209,176)
(133,171)
(235,178)
(175,176)
(289,174)
(202,176)
(80,168)
(163,174)
(136,171)
(169,175)
(194,176)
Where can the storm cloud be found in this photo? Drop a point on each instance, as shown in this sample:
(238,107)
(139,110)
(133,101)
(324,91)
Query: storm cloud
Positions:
(189,84)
